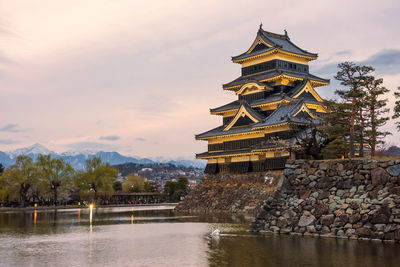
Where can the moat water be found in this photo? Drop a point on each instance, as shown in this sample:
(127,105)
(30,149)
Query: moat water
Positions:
(156,236)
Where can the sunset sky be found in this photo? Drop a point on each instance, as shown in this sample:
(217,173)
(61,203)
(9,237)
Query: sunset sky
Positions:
(139,77)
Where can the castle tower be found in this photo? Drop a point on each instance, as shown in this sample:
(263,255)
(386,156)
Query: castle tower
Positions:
(276,98)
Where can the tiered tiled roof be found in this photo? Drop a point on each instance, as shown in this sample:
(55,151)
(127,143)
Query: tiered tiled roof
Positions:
(281,41)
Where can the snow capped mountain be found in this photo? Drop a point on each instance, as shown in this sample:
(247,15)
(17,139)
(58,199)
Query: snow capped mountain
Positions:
(77,159)
(85,152)
(35,149)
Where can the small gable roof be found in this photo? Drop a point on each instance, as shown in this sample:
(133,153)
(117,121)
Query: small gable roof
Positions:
(245,110)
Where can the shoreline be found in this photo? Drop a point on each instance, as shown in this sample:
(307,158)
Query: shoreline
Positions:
(8,209)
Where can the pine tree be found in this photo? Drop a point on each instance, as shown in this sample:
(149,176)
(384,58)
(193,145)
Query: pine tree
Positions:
(375,110)
(351,76)
(396,108)
(336,129)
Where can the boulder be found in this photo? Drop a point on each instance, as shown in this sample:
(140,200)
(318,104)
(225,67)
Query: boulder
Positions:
(325,230)
(281,222)
(395,190)
(323,166)
(306,220)
(327,219)
(379,176)
(288,172)
(320,209)
(381,216)
(305,194)
(363,232)
(394,170)
(324,183)
(354,218)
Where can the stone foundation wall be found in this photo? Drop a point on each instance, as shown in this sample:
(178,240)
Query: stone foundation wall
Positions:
(343,198)
(235,193)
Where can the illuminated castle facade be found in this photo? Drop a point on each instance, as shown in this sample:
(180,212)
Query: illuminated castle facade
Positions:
(276,98)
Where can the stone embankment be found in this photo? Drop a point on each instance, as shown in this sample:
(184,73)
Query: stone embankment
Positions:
(233,193)
(357,199)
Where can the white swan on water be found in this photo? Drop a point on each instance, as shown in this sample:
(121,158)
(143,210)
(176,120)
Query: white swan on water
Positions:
(216,232)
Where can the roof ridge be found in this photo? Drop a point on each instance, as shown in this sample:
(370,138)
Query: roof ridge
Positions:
(276,35)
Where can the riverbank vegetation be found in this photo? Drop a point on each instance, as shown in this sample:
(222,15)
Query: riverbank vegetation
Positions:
(52,181)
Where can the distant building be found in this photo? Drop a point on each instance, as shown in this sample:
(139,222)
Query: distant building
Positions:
(276,98)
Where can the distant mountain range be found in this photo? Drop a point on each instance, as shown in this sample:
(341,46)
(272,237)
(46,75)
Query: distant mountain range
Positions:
(77,159)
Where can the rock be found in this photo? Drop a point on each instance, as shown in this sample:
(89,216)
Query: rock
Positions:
(323,166)
(340,192)
(354,218)
(298,171)
(340,233)
(344,217)
(382,216)
(311,229)
(305,194)
(324,183)
(350,232)
(306,220)
(288,172)
(281,222)
(327,219)
(338,212)
(370,166)
(397,235)
(390,228)
(380,227)
(394,170)
(346,184)
(312,177)
(306,213)
(355,205)
(395,190)
(323,194)
(369,187)
(325,230)
(379,176)
(274,229)
(332,207)
(349,211)
(320,209)
(289,214)
(363,232)
(305,181)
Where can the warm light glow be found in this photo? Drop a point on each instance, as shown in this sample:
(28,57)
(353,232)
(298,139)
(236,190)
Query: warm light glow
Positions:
(35,205)
(132,219)
(91,213)
(34,220)
(79,203)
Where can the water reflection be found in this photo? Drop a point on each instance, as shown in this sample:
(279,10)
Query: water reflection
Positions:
(154,237)
(256,250)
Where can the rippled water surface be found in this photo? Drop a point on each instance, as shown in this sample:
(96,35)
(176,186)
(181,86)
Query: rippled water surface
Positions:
(156,236)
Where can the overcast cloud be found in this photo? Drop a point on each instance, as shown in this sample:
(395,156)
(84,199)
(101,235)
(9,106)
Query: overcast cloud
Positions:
(151,70)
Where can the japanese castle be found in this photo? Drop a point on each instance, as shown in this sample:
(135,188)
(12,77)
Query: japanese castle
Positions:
(276,99)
